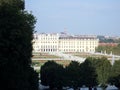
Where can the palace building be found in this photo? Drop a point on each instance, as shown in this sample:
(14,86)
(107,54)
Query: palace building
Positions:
(64,43)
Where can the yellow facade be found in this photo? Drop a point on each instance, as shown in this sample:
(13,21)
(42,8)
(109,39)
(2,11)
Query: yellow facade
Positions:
(66,43)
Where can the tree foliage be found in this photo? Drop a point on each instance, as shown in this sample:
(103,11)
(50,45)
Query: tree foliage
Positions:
(116,68)
(17,4)
(115,80)
(16,34)
(88,74)
(114,49)
(52,75)
(103,69)
(72,74)
(115,74)
(91,72)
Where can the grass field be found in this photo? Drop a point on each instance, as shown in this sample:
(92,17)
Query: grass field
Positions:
(39,63)
(43,55)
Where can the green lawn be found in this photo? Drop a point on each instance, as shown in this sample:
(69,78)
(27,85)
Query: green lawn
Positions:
(39,63)
(43,55)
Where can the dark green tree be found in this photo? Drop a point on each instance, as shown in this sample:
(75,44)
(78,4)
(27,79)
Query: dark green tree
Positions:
(18,4)
(114,49)
(52,75)
(88,74)
(72,74)
(103,69)
(115,80)
(115,74)
(16,34)
(116,68)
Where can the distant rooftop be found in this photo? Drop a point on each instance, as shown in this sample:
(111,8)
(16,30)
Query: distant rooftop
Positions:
(78,37)
(64,35)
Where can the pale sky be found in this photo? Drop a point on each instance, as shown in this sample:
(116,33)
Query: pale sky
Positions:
(94,17)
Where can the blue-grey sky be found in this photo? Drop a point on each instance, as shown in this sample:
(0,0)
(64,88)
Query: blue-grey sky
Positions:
(96,17)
